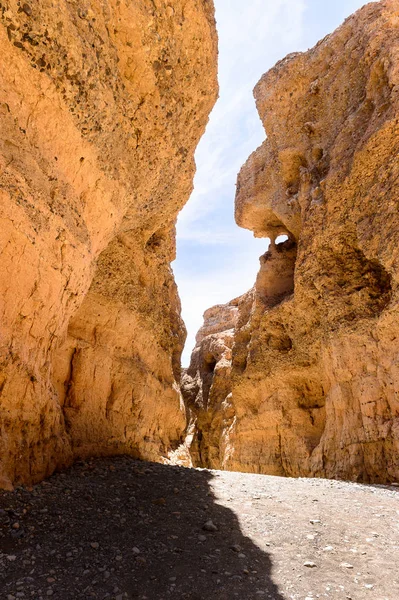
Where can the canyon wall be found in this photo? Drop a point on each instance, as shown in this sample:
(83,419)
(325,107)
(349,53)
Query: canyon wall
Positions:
(206,386)
(102,105)
(314,383)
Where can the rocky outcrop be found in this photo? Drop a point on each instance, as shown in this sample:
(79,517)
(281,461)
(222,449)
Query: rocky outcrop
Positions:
(315,380)
(101,108)
(206,387)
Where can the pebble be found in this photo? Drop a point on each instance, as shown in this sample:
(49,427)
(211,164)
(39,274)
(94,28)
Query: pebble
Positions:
(159,501)
(210,526)
(346,565)
(135,550)
(202,538)
(309,564)
(95,545)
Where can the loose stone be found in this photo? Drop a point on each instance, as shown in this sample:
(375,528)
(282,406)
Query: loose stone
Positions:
(209,526)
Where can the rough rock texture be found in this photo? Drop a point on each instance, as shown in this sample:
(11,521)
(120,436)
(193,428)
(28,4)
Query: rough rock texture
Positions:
(101,107)
(315,376)
(206,386)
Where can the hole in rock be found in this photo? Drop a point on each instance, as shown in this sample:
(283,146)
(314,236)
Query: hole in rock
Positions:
(281,239)
(275,280)
(209,364)
(156,240)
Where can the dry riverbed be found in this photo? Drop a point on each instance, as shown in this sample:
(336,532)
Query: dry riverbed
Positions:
(122,529)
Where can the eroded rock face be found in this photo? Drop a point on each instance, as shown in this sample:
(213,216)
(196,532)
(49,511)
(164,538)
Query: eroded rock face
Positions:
(206,387)
(315,378)
(101,108)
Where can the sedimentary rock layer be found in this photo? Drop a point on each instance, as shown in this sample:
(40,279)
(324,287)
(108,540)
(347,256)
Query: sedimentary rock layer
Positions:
(101,107)
(315,374)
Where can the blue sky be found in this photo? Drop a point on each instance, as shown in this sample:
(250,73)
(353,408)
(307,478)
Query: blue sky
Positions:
(216,260)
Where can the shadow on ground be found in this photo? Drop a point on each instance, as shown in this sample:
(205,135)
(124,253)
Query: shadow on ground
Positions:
(119,528)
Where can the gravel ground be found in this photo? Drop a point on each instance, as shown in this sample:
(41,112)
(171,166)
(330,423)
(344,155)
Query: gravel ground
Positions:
(123,529)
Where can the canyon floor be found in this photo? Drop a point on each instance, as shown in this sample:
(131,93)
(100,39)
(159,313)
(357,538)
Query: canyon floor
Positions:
(123,529)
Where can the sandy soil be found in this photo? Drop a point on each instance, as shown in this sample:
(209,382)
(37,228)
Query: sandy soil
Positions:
(122,529)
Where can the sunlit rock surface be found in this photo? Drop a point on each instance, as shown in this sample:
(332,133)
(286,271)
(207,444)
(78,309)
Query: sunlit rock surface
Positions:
(315,375)
(206,386)
(101,107)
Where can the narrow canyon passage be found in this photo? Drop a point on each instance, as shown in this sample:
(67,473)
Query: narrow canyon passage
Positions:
(298,376)
(269,468)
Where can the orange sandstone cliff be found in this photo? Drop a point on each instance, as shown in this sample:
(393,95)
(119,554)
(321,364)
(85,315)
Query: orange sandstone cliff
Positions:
(314,383)
(206,386)
(101,107)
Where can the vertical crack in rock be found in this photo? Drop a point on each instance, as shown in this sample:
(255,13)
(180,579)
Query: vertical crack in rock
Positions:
(312,385)
(101,109)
